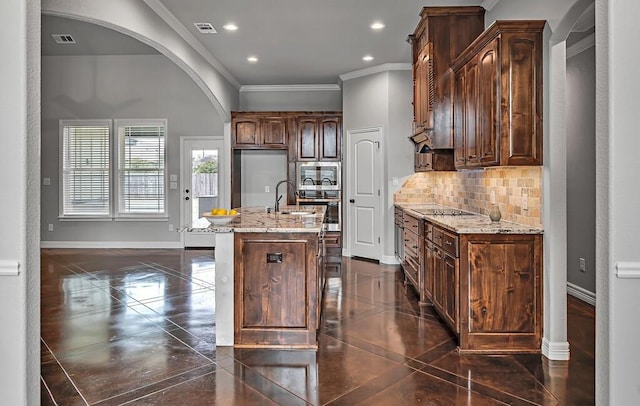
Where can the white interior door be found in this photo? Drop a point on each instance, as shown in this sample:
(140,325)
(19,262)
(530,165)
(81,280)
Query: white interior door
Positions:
(202,177)
(363,192)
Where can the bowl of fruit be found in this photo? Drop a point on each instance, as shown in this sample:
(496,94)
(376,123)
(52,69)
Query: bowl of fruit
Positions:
(220,216)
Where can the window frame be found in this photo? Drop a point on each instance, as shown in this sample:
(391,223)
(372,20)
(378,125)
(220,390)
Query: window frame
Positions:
(124,216)
(114,214)
(62,150)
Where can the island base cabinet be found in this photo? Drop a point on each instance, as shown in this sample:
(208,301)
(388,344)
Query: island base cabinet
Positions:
(276,290)
(501,293)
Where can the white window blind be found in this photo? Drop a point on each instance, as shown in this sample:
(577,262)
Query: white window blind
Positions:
(85,168)
(141,167)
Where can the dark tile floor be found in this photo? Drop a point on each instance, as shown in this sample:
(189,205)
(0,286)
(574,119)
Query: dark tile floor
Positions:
(139,327)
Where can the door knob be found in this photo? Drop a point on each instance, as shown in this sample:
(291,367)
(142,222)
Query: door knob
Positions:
(352,200)
(186,198)
(186,190)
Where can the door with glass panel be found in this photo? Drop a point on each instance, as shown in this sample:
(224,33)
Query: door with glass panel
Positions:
(201,187)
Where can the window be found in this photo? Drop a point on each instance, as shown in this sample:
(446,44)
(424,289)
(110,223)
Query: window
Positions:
(107,175)
(141,167)
(85,168)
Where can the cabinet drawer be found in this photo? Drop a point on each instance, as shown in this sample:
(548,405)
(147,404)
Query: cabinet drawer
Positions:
(437,236)
(333,240)
(411,268)
(450,243)
(411,241)
(411,223)
(428,231)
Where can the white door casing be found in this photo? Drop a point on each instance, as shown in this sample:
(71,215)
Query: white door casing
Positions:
(190,203)
(363,192)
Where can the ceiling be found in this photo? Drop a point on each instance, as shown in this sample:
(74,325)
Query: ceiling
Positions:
(295,41)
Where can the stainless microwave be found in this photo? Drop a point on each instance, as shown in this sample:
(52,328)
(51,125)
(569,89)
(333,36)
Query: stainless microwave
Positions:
(319,175)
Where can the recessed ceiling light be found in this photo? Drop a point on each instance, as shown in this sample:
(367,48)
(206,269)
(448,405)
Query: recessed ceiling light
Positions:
(377,25)
(367,58)
(252,59)
(230,27)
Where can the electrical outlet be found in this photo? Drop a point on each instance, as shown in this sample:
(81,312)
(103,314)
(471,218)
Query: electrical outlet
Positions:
(394,181)
(525,201)
(492,197)
(171,227)
(266,189)
(583,265)
(50,227)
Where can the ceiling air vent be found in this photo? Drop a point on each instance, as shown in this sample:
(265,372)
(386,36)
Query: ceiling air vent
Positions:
(63,38)
(205,28)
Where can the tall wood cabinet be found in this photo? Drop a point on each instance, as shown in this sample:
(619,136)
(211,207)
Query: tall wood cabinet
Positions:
(440,36)
(498,97)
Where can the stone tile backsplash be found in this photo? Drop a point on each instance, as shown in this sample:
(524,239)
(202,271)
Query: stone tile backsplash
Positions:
(471,190)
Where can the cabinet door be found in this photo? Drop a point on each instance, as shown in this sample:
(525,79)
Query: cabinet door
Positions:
(459,120)
(274,131)
(502,282)
(307,139)
(522,93)
(427,98)
(245,131)
(471,146)
(429,268)
(438,282)
(418,82)
(488,135)
(330,139)
(450,290)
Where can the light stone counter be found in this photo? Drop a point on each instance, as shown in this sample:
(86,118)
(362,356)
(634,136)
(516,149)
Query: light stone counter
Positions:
(468,224)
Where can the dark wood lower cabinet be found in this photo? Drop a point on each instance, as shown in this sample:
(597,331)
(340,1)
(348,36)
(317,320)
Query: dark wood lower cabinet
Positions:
(277,289)
(501,293)
(487,288)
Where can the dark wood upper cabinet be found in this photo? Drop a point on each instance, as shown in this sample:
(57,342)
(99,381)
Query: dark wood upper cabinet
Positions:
(498,97)
(319,138)
(259,131)
(441,35)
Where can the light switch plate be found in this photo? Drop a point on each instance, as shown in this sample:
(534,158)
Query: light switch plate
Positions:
(173,177)
(46,181)
(173,185)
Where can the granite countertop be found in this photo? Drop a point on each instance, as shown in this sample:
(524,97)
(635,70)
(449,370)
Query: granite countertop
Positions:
(468,224)
(257,220)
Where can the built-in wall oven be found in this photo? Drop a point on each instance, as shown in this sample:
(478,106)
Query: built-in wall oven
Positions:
(319,176)
(320,183)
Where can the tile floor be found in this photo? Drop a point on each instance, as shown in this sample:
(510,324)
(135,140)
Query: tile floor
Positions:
(138,327)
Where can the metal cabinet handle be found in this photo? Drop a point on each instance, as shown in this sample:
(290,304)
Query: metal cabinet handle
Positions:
(448,243)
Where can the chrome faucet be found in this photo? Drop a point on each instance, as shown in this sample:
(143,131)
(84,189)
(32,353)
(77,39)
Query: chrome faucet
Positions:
(279,196)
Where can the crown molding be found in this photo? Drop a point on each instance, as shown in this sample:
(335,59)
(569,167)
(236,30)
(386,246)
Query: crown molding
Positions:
(581,46)
(385,67)
(489,4)
(290,88)
(186,35)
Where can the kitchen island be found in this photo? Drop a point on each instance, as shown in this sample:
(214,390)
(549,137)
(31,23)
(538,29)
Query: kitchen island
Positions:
(269,278)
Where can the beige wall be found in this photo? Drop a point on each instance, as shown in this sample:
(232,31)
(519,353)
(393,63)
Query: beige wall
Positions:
(470,190)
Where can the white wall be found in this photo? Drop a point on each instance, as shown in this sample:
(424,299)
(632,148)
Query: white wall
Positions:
(20,202)
(383,99)
(581,169)
(114,87)
(288,98)
(617,84)
(260,169)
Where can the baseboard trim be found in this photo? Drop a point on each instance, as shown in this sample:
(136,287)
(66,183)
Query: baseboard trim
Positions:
(557,351)
(389,259)
(581,293)
(112,244)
